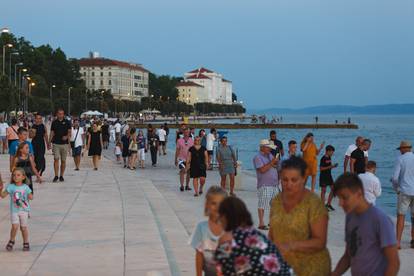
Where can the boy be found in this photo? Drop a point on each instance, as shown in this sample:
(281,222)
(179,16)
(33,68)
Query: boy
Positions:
(372,185)
(371,246)
(325,176)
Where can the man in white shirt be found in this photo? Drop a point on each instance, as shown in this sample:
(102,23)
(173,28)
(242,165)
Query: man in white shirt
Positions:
(403,184)
(3,135)
(117,131)
(162,134)
(358,141)
(371,183)
(211,138)
(77,142)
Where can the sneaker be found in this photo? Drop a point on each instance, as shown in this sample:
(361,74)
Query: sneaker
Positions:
(330,207)
(187,188)
(61,179)
(55,179)
(182,189)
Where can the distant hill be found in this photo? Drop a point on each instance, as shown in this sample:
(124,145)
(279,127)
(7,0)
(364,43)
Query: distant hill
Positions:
(392,109)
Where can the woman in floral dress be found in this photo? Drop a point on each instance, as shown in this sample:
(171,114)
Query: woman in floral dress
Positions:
(244,250)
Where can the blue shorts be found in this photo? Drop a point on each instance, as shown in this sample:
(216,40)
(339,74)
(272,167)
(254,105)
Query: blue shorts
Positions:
(77,151)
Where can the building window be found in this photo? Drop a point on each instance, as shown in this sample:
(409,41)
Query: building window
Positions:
(135,84)
(101,82)
(110,82)
(109,74)
(93,82)
(101,74)
(84,74)
(93,74)
(137,77)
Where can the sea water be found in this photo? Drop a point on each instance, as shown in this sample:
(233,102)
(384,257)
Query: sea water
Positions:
(385,131)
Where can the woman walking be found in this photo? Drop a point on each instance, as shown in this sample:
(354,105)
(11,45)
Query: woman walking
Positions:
(299,223)
(197,165)
(39,142)
(95,145)
(142,145)
(133,148)
(227,164)
(310,155)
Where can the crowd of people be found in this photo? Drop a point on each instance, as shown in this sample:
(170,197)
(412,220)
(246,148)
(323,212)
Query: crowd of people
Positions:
(228,242)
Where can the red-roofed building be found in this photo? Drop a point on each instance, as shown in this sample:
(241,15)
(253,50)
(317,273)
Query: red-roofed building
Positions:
(188,92)
(215,89)
(127,81)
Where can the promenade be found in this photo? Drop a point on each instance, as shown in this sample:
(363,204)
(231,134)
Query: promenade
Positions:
(116,221)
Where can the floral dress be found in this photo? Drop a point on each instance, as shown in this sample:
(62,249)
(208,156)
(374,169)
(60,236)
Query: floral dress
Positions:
(250,253)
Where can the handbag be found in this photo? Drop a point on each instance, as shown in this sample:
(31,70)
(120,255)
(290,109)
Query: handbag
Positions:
(72,143)
(133,146)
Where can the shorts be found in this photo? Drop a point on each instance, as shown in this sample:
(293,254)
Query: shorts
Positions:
(141,154)
(325,181)
(118,156)
(77,151)
(210,152)
(3,139)
(162,143)
(265,195)
(60,151)
(405,202)
(20,217)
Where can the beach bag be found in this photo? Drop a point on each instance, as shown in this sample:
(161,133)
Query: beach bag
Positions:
(133,146)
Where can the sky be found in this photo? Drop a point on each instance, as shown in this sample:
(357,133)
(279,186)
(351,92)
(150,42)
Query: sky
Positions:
(277,53)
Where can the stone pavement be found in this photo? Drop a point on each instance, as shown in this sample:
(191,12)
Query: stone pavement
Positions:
(120,222)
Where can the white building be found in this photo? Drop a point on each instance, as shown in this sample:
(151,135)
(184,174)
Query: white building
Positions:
(213,87)
(126,81)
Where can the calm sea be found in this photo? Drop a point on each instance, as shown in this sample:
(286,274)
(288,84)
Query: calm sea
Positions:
(386,132)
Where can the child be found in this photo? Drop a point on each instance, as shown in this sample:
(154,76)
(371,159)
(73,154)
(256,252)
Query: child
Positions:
(118,151)
(372,185)
(325,176)
(371,246)
(208,232)
(20,194)
(25,161)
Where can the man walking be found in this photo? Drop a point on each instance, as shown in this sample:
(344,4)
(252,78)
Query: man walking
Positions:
(211,138)
(77,142)
(279,145)
(403,184)
(267,178)
(60,132)
(181,154)
(358,141)
(358,159)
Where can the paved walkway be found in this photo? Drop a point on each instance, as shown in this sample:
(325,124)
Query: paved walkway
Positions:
(120,222)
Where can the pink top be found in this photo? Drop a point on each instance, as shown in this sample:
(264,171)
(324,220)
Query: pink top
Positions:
(183,146)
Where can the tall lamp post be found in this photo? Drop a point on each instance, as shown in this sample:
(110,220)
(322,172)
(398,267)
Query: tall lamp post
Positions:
(10,63)
(51,95)
(15,72)
(69,90)
(31,84)
(7,45)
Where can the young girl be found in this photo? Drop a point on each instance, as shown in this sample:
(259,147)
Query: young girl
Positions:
(26,162)
(20,194)
(118,151)
(208,232)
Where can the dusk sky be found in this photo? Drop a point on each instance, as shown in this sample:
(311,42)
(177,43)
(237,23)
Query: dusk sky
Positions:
(290,53)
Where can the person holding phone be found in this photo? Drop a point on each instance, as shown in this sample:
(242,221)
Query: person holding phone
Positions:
(267,178)
(310,154)
(325,176)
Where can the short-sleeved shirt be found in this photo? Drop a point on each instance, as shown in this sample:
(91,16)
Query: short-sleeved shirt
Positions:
(210,141)
(141,141)
(268,178)
(60,129)
(205,242)
(79,140)
(353,147)
(366,235)
(152,140)
(3,129)
(117,127)
(279,147)
(326,161)
(183,146)
(359,165)
(19,197)
(295,226)
(15,144)
(40,134)
(162,134)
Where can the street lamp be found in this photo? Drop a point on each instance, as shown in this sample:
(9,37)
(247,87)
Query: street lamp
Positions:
(31,84)
(15,72)
(70,88)
(10,63)
(8,45)
(50,93)
(5,30)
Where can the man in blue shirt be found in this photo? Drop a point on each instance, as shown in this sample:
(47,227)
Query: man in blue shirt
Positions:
(403,184)
(22,134)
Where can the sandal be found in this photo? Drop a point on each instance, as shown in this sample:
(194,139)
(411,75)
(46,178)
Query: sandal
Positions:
(195,195)
(26,246)
(412,243)
(263,227)
(9,246)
